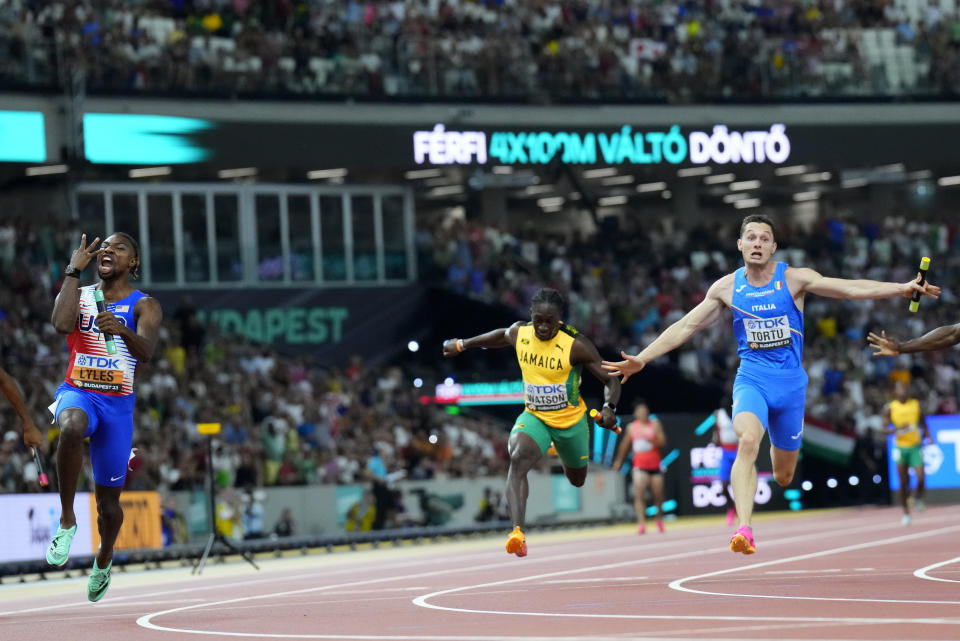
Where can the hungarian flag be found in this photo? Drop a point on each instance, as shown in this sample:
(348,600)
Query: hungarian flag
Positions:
(647,48)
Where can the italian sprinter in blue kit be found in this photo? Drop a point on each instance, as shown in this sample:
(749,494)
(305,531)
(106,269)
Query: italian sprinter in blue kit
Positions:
(96,399)
(766,298)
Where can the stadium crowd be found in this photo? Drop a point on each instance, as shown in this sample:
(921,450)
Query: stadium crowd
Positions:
(625,287)
(671,50)
(290,421)
(286,421)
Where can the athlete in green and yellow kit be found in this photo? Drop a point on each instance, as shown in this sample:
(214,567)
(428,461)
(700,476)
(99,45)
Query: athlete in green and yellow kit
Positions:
(905,420)
(551,356)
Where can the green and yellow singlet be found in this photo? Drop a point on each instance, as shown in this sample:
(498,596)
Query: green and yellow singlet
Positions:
(551,385)
(906,418)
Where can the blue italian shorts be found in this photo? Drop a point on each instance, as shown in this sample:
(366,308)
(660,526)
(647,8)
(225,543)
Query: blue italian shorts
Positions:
(775,396)
(109,427)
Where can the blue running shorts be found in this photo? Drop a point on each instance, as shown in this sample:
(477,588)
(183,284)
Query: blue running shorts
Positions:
(775,396)
(109,427)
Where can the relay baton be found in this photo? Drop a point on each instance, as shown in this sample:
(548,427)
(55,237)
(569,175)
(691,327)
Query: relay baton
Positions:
(616,428)
(924,266)
(44,481)
(102,307)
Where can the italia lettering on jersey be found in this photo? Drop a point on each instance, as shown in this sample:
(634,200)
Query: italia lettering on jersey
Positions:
(89,366)
(766,321)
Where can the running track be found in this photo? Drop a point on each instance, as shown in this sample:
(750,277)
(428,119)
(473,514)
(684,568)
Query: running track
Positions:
(839,574)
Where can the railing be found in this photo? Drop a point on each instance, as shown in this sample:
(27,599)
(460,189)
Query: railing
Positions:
(259,235)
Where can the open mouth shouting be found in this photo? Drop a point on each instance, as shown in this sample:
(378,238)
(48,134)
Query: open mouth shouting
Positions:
(106,263)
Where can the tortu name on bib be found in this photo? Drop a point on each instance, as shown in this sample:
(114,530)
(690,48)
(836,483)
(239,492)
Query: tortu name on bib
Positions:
(767,333)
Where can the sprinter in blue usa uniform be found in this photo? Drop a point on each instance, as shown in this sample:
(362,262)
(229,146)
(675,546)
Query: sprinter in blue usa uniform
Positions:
(766,298)
(96,399)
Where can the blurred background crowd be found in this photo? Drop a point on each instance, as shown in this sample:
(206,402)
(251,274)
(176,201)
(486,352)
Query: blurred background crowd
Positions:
(625,288)
(666,50)
(292,421)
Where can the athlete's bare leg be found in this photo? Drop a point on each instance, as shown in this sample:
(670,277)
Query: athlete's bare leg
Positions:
(743,475)
(784,464)
(109,520)
(524,454)
(576,475)
(921,484)
(656,487)
(639,495)
(904,472)
(72,423)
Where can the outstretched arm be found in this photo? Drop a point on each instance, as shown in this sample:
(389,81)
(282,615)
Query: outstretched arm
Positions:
(622,450)
(31,435)
(700,317)
(584,352)
(503,337)
(808,280)
(661,438)
(941,337)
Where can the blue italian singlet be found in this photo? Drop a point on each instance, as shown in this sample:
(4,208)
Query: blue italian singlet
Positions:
(770,382)
(768,325)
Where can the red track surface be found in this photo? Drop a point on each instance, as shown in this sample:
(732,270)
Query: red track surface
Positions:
(844,574)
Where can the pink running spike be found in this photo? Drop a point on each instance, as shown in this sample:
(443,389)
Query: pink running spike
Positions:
(742,541)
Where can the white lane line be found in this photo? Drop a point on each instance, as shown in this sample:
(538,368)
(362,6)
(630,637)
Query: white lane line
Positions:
(922,572)
(146,620)
(237,581)
(678,584)
(423,600)
(607,580)
(828,570)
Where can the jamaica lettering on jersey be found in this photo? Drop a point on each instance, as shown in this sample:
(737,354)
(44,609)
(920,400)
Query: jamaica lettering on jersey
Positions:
(90,367)
(551,384)
(766,321)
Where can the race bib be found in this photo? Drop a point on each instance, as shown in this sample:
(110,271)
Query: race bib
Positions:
(642,445)
(767,333)
(97,373)
(546,398)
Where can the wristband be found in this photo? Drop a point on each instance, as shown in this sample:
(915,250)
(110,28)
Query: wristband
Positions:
(72,271)
(459,344)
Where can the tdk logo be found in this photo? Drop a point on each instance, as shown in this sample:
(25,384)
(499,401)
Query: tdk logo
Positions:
(766,323)
(546,389)
(99,362)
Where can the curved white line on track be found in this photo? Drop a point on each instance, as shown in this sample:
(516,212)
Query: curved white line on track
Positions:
(146,620)
(922,572)
(678,584)
(242,580)
(423,600)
